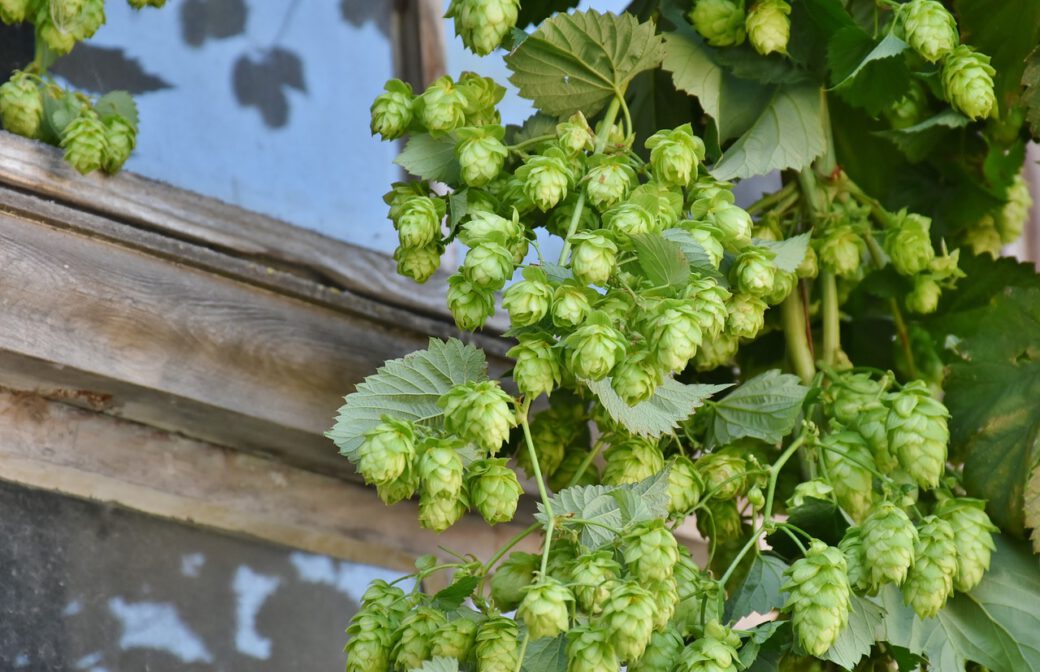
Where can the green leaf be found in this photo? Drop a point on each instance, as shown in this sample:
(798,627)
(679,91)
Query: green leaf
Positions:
(868,74)
(534,126)
(548,654)
(761,591)
(1031,92)
(917,141)
(579,61)
(858,637)
(765,407)
(787,133)
(696,256)
(555,272)
(789,252)
(662,261)
(440,664)
(996,625)
(458,205)
(672,403)
(820,518)
(430,157)
(533,12)
(453,596)
(645,500)
(757,652)
(58,112)
(1032,506)
(117,104)
(407,389)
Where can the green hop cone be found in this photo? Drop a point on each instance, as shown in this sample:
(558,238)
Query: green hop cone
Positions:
(666,597)
(819,597)
(628,619)
(592,576)
(537,368)
(470,305)
(401,488)
(594,259)
(440,513)
(930,29)
(923,299)
(85,142)
(784,283)
(414,637)
(546,178)
(973,536)
(369,641)
(910,109)
(632,460)
(481,154)
(401,193)
(930,581)
(483,23)
(675,155)
(21,106)
(709,300)
(545,608)
(675,333)
(967,79)
(609,182)
(769,26)
(888,545)
(497,646)
(754,273)
(589,649)
(511,578)
(440,468)
(14,11)
(386,451)
(708,237)
(721,521)
(732,221)
(386,599)
(851,546)
(418,263)
(849,467)
(840,250)
(454,639)
(479,412)
(481,94)
(629,219)
(575,134)
(650,551)
(662,654)
(918,433)
(981,237)
(418,221)
(484,226)
(685,485)
(494,490)
(908,244)
(527,301)
(121,138)
(392,110)
(570,305)
(716,651)
(636,378)
(593,350)
(720,22)
(810,265)
(1015,212)
(488,265)
(746,316)
(723,474)
(698,595)
(851,395)
(442,106)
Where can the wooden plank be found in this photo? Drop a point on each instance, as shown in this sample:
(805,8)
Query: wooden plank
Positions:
(54,446)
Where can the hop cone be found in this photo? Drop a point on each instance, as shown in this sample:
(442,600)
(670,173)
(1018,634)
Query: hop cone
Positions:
(636,378)
(967,79)
(392,110)
(440,468)
(21,105)
(547,178)
(722,521)
(481,156)
(483,23)
(923,299)
(819,599)
(550,441)
(386,599)
(454,639)
(685,485)
(746,316)
(442,106)
(511,578)
(493,490)
(851,546)
(418,263)
(888,539)
(401,488)
(698,594)
(537,367)
(675,334)
(840,250)
(589,649)
(593,350)
(650,551)
(675,155)
(918,433)
(386,451)
(930,581)
(1015,212)
(85,142)
(545,608)
(628,618)
(497,646)
(414,638)
(849,468)
(708,238)
(488,265)
(769,26)
(14,11)
(666,597)
(592,576)
(851,395)
(632,460)
(527,301)
(609,183)
(709,302)
(754,273)
(723,474)
(720,22)
(370,641)
(716,651)
(814,489)
(973,536)
(418,221)
(734,222)
(440,513)
(716,352)
(575,134)
(570,306)
(630,219)
(909,245)
(479,412)
(470,305)
(662,654)
(594,258)
(930,29)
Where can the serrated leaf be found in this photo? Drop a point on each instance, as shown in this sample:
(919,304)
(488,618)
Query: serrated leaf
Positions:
(117,104)
(996,625)
(859,635)
(789,252)
(534,126)
(761,590)
(579,61)
(760,635)
(866,73)
(408,389)
(765,656)
(458,205)
(1031,509)
(917,141)
(453,596)
(662,261)
(672,403)
(691,249)
(548,654)
(555,272)
(821,519)
(1031,93)
(430,157)
(787,133)
(645,500)
(765,407)
(439,664)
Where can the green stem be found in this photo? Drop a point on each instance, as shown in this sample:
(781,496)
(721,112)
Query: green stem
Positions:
(751,543)
(549,516)
(584,466)
(827,163)
(797,542)
(532,141)
(601,143)
(769,200)
(797,335)
(831,318)
(774,474)
(626,113)
(523,650)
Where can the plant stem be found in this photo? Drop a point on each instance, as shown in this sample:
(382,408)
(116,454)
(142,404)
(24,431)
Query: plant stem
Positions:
(751,543)
(831,318)
(774,473)
(601,143)
(769,200)
(523,650)
(797,335)
(584,466)
(532,141)
(550,518)
(628,115)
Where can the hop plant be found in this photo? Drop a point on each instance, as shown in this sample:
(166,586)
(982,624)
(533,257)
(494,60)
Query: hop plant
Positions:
(973,537)
(888,539)
(418,263)
(662,654)
(370,641)
(418,221)
(675,155)
(479,412)
(930,29)
(454,639)
(385,598)
(469,304)
(930,581)
(754,273)
(593,350)
(386,451)
(924,297)
(609,182)
(716,651)
(628,619)
(85,142)
(589,650)
(650,551)
(14,11)
(840,250)
(675,334)
(483,23)
(527,301)
(709,301)
(414,637)
(666,597)
(570,305)
(631,460)
(685,485)
(967,80)
(819,599)
(630,219)
(769,26)
(545,608)
(537,368)
(497,645)
(392,110)
(592,576)
(720,22)
(514,575)
(440,468)
(481,154)
(401,488)
(21,105)
(849,468)
(918,433)
(546,178)
(723,474)
(908,244)
(442,106)
(494,490)
(1015,212)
